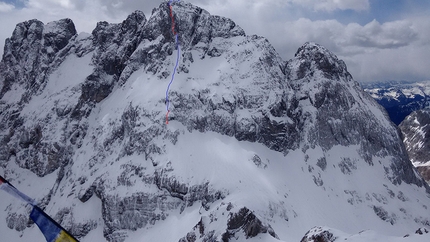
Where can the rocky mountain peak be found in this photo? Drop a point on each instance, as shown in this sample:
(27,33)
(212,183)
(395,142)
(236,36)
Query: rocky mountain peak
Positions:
(135,19)
(104,30)
(57,34)
(192,23)
(31,49)
(337,111)
(312,59)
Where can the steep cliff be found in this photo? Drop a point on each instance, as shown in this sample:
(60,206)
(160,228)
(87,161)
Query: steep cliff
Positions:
(416,136)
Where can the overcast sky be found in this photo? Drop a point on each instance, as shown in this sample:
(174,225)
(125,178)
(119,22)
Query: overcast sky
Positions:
(378,39)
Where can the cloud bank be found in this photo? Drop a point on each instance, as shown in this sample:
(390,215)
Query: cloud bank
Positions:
(332,5)
(5,7)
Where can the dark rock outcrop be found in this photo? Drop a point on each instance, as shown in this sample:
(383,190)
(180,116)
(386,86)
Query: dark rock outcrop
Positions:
(318,234)
(246,222)
(31,51)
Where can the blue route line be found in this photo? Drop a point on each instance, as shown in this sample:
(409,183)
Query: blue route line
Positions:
(173,74)
(177,59)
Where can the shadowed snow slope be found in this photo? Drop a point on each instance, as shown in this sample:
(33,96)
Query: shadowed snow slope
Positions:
(256,149)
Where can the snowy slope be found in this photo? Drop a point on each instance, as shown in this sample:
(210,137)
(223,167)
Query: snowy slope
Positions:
(256,149)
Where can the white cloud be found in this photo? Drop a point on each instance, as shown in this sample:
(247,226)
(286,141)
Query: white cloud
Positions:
(388,35)
(4,7)
(338,36)
(407,63)
(85,14)
(395,50)
(332,5)
(97,9)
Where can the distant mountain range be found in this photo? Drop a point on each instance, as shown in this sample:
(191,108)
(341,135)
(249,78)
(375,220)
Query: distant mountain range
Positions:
(400,98)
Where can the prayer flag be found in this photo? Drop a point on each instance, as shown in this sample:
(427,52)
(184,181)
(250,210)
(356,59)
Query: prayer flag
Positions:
(52,231)
(7,187)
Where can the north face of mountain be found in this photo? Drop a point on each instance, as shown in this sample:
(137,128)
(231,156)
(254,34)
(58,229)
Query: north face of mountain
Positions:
(337,111)
(256,148)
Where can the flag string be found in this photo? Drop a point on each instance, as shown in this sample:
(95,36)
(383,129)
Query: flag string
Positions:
(52,231)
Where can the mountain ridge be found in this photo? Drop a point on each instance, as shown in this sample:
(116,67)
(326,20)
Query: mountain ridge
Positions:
(242,120)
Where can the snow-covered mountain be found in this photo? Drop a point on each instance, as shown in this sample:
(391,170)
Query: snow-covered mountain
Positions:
(408,104)
(400,98)
(256,149)
(416,136)
(324,234)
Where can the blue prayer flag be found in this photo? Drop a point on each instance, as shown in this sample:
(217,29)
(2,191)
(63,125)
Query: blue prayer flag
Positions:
(52,231)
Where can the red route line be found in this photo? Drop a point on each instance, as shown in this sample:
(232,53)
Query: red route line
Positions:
(167,116)
(174,33)
(173,20)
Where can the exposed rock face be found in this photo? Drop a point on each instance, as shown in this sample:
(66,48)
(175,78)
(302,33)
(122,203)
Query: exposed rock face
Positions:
(319,234)
(338,112)
(416,136)
(241,223)
(87,111)
(30,55)
(425,172)
(30,52)
(246,221)
(422,231)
